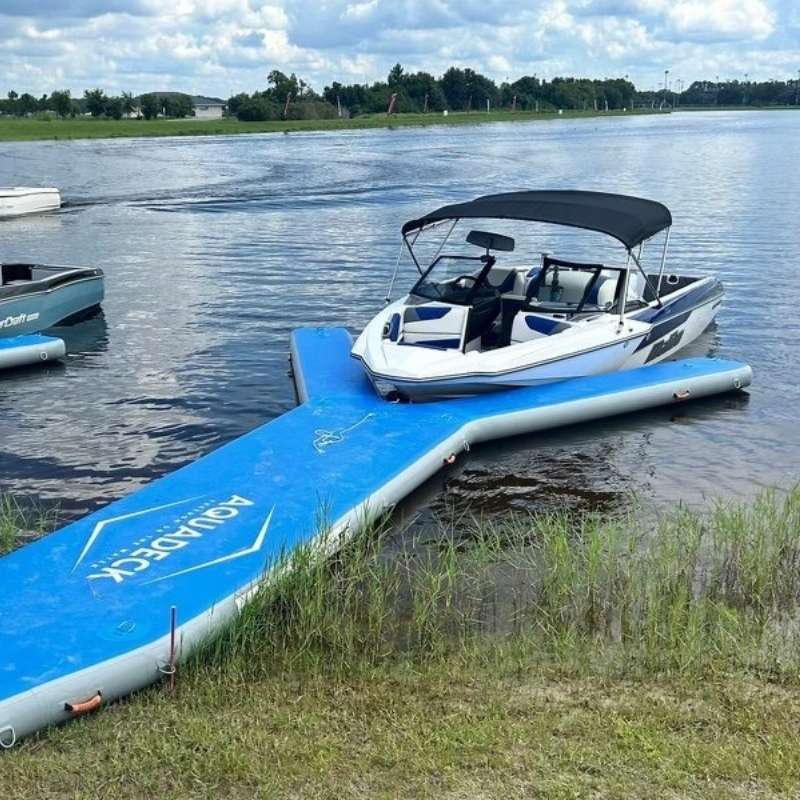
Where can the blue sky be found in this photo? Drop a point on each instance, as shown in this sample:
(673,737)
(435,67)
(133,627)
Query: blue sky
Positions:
(224,46)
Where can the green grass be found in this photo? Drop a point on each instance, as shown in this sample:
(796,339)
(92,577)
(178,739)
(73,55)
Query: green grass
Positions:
(19,524)
(548,656)
(13,129)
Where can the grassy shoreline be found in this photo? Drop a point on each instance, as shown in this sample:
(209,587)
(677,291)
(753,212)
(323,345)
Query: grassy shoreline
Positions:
(44,129)
(550,655)
(31,129)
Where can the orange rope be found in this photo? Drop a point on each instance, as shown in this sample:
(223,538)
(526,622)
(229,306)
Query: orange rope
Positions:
(85,706)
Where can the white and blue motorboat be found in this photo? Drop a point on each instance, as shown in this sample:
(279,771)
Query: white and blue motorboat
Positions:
(483,322)
(34,297)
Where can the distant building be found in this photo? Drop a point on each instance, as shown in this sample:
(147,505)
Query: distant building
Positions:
(208,107)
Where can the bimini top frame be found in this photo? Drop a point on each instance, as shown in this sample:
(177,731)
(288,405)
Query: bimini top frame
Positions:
(630,220)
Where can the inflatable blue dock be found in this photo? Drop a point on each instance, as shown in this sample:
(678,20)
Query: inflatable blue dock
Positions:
(33,348)
(86,615)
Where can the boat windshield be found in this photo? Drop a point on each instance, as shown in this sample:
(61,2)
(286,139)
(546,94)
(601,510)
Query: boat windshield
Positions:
(454,279)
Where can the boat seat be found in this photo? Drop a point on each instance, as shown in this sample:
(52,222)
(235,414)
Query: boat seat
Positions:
(502,279)
(527,326)
(573,285)
(481,318)
(603,292)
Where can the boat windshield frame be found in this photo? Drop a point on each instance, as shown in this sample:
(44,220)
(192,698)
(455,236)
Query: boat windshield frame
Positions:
(555,307)
(631,256)
(486,260)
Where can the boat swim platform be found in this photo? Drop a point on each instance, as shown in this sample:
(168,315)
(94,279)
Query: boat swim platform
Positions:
(86,615)
(33,348)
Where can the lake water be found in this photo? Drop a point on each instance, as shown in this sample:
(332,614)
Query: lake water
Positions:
(216,248)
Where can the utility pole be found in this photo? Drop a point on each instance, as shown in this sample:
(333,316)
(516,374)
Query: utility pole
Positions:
(338,106)
(666,87)
(425,106)
(744,91)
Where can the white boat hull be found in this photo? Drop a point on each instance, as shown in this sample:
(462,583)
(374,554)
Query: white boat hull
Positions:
(654,333)
(424,373)
(20,201)
(609,358)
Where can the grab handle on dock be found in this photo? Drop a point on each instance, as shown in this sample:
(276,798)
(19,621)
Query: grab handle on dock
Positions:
(85,706)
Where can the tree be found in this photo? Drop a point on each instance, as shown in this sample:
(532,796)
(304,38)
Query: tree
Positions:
(95,101)
(396,77)
(418,85)
(283,86)
(236,102)
(150,105)
(61,102)
(466,89)
(354,98)
(128,103)
(455,87)
(177,105)
(257,108)
(114,107)
(27,104)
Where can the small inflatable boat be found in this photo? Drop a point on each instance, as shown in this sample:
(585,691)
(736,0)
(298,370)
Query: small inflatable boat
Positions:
(34,297)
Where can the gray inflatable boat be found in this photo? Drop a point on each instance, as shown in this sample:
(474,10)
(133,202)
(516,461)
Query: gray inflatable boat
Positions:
(33,298)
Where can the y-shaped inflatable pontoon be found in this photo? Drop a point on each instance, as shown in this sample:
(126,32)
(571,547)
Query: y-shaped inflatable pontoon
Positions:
(86,612)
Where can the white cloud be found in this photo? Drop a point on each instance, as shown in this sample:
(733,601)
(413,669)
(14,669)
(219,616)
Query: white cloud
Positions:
(221,46)
(741,19)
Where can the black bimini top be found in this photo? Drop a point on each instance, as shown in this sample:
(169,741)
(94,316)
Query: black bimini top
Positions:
(631,220)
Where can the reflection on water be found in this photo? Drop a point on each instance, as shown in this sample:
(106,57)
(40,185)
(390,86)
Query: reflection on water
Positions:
(216,248)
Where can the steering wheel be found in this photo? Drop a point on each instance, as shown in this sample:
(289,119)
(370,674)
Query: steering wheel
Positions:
(466,278)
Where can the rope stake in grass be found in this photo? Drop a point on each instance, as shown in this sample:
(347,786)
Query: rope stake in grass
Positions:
(173,620)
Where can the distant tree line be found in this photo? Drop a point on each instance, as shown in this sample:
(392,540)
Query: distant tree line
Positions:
(96,103)
(458,89)
(466,90)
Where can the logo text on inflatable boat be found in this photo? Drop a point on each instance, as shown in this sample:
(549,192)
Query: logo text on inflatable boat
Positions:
(209,519)
(13,321)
